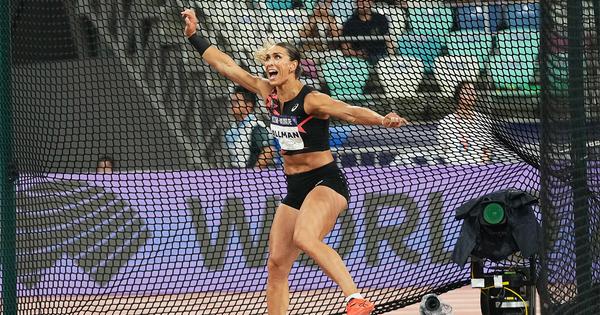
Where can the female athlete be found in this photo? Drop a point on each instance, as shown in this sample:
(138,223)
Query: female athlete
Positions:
(317,191)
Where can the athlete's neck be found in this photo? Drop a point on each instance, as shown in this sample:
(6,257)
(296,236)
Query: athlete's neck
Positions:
(289,90)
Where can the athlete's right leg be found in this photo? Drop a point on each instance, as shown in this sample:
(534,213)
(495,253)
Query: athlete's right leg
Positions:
(282,254)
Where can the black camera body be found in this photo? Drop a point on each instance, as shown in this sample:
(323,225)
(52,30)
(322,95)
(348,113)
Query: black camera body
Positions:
(501,227)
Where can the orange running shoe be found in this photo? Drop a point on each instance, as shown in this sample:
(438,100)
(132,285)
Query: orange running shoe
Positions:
(359,307)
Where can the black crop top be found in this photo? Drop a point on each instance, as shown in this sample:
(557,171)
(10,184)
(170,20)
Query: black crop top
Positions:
(295,130)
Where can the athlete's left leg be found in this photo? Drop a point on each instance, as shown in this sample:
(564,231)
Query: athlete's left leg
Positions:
(316,219)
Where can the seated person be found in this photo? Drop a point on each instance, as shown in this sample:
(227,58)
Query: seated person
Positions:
(321,24)
(248,141)
(105,165)
(466,136)
(366,22)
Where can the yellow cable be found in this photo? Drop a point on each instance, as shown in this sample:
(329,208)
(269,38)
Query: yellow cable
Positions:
(520,297)
(515,293)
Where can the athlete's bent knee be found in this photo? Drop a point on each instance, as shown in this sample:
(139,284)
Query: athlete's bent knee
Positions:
(279,265)
(304,241)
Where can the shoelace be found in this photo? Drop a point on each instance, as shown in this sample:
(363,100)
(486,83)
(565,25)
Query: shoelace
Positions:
(361,304)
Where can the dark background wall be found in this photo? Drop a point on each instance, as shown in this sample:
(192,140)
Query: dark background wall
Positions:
(67,114)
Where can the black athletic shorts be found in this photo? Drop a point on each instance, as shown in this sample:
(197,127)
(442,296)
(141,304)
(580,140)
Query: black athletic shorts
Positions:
(299,185)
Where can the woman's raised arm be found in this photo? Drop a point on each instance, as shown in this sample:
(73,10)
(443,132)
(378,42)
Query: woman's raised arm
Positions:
(220,61)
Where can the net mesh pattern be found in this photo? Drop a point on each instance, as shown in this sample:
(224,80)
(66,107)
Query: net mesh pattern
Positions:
(145,182)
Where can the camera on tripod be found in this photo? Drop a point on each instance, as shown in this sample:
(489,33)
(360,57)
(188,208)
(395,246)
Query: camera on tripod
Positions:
(495,228)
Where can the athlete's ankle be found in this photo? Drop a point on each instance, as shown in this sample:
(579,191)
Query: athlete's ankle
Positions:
(356,295)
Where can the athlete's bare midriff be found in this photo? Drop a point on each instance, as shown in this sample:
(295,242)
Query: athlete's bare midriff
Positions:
(304,162)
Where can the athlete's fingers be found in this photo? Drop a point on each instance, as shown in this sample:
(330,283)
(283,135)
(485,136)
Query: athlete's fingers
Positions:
(393,120)
(189,13)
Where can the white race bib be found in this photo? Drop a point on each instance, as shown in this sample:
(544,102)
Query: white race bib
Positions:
(285,129)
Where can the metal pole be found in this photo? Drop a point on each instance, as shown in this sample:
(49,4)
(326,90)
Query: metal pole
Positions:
(578,152)
(545,108)
(7,190)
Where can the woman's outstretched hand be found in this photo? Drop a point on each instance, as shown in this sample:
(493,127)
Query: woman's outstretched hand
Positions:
(189,15)
(392,120)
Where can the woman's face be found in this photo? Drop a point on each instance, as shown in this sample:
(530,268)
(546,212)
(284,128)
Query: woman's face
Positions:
(104,167)
(240,106)
(278,66)
(467,96)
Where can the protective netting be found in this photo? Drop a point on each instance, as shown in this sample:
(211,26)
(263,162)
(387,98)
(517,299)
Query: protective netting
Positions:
(569,157)
(146,183)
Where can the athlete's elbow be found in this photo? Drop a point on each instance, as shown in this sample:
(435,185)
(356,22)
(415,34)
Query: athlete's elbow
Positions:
(351,119)
(223,68)
(352,115)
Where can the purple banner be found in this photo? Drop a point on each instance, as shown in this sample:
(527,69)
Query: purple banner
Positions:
(183,232)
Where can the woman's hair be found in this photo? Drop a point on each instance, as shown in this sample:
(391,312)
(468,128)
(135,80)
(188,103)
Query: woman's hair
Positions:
(291,50)
(104,160)
(479,84)
(458,90)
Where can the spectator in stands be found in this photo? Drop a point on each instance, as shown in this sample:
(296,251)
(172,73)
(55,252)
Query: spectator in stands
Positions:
(466,135)
(321,24)
(248,142)
(366,22)
(105,165)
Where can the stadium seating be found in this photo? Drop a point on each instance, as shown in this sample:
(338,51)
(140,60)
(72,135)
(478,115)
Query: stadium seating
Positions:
(279,4)
(430,20)
(469,42)
(400,76)
(309,4)
(310,73)
(426,36)
(339,134)
(523,15)
(286,24)
(521,41)
(342,10)
(245,24)
(325,54)
(468,50)
(512,72)
(515,64)
(285,4)
(451,70)
(346,77)
(425,47)
(479,17)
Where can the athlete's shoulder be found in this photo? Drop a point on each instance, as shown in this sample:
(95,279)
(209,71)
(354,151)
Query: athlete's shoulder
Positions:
(314,95)
(315,101)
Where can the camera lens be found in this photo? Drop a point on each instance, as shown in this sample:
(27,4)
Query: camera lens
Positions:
(432,303)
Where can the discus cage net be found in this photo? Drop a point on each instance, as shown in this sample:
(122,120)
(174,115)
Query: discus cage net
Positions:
(180,224)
